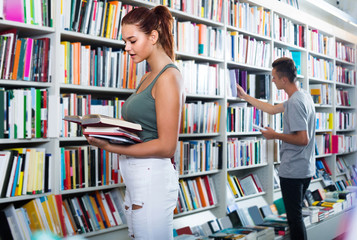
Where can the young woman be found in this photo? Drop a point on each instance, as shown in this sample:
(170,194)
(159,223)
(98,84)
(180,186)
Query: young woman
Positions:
(150,178)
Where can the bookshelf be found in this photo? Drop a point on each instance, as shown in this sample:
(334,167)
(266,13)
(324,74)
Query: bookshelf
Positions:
(271,45)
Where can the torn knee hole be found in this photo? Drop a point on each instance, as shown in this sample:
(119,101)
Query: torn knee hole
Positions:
(135,206)
(126,208)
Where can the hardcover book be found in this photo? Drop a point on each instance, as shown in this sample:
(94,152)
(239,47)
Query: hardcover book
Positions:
(98,120)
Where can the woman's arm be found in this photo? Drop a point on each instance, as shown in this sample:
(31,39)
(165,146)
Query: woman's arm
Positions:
(168,96)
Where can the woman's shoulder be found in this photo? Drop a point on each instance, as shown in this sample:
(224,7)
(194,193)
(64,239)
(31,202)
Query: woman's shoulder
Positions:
(172,72)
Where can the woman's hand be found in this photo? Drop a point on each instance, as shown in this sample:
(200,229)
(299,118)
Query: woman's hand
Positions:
(97,142)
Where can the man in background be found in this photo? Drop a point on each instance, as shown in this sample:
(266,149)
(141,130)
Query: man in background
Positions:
(298,141)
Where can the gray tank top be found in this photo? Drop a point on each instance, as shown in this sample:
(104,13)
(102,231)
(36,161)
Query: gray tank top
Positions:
(140,108)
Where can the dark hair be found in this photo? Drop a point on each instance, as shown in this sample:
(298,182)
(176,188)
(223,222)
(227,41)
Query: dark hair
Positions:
(160,19)
(285,67)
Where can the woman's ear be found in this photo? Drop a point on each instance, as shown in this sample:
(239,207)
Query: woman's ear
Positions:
(154,36)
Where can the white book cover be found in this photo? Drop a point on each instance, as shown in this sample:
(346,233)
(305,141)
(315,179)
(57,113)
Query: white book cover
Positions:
(2,9)
(13,221)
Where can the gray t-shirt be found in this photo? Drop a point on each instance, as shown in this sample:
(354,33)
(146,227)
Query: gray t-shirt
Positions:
(299,114)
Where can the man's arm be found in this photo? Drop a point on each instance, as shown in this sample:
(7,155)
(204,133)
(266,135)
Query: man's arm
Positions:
(264,106)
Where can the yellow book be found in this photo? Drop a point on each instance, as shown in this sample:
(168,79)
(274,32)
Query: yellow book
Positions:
(236,180)
(233,186)
(56,219)
(105,18)
(330,121)
(74,169)
(109,21)
(35,221)
(65,48)
(46,209)
(186,194)
(97,213)
(18,191)
(32,172)
(218,118)
(40,156)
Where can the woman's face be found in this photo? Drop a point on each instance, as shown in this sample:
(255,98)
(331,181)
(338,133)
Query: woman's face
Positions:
(137,43)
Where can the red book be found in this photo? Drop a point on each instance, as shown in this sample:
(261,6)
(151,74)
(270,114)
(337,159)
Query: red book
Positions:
(328,170)
(81,167)
(184,230)
(44,106)
(209,191)
(334,143)
(113,209)
(45,60)
(60,214)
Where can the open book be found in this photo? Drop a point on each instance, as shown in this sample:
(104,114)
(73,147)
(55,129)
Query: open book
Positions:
(98,120)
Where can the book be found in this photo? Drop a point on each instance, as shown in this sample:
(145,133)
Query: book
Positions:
(14,10)
(98,120)
(114,132)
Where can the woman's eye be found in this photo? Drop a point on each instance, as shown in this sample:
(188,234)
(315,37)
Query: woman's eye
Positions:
(133,42)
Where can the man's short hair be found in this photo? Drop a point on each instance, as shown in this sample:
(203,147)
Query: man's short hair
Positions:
(285,67)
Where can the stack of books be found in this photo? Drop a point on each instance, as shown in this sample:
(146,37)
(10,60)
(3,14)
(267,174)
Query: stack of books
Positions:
(115,130)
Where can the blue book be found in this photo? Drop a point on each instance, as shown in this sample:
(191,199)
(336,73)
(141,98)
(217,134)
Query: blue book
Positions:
(297,59)
(14,184)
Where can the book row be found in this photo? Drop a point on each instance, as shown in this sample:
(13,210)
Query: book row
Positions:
(244,186)
(25,172)
(250,18)
(320,68)
(343,143)
(343,97)
(88,166)
(293,3)
(210,9)
(256,85)
(23,113)
(201,78)
(323,144)
(277,123)
(247,50)
(96,18)
(195,193)
(342,165)
(200,117)
(240,118)
(345,53)
(78,104)
(345,75)
(324,121)
(25,59)
(198,39)
(246,152)
(98,66)
(320,43)
(321,93)
(64,217)
(34,12)
(345,120)
(288,32)
(198,156)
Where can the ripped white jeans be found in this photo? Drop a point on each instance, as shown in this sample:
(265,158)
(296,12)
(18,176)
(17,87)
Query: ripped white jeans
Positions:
(151,184)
